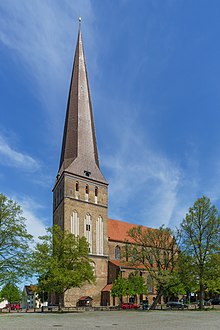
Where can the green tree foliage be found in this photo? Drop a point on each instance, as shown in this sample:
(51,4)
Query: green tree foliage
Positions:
(132,286)
(212,276)
(157,250)
(186,275)
(42,294)
(136,285)
(200,240)
(10,292)
(120,288)
(15,253)
(62,262)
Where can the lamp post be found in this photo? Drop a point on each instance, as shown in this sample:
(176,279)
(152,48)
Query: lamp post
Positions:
(42,308)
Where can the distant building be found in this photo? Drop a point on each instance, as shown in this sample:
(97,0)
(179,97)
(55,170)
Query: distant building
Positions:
(30,298)
(3,303)
(80,196)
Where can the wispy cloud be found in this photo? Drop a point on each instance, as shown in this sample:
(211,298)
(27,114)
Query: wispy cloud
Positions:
(11,157)
(144,183)
(35,224)
(147,186)
(40,34)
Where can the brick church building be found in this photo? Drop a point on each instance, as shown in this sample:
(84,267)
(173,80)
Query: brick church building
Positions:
(80,195)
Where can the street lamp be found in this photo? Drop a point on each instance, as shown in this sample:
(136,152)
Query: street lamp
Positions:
(42,309)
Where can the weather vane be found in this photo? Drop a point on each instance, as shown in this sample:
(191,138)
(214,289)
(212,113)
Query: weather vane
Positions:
(79,19)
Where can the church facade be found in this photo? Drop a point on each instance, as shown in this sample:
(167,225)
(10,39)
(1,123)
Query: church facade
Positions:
(80,194)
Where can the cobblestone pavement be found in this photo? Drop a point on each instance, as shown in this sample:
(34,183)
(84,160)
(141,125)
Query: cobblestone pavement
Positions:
(118,320)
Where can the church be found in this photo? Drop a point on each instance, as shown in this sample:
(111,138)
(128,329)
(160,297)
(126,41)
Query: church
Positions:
(80,196)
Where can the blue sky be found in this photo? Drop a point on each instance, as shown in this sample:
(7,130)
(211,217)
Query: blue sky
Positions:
(154,72)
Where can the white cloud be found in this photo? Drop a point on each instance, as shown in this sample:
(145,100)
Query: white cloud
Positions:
(144,184)
(41,33)
(35,225)
(11,157)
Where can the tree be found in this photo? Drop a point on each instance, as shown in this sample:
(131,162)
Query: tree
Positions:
(200,239)
(136,285)
(10,292)
(130,286)
(158,251)
(213,274)
(62,262)
(15,254)
(120,288)
(186,277)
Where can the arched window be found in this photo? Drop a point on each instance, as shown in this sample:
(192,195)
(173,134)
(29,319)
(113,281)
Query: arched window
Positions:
(87,193)
(117,252)
(88,230)
(99,235)
(150,287)
(93,267)
(126,252)
(75,223)
(87,189)
(151,260)
(96,195)
(166,258)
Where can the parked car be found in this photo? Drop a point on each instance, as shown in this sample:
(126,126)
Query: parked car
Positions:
(176,304)
(13,307)
(130,306)
(145,304)
(207,303)
(215,301)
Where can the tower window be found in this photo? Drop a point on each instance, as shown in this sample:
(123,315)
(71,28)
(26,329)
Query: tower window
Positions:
(87,173)
(75,223)
(77,186)
(99,235)
(96,191)
(88,230)
(87,189)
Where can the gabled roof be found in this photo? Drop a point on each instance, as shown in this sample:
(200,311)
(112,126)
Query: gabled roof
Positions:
(118,231)
(107,288)
(85,298)
(30,289)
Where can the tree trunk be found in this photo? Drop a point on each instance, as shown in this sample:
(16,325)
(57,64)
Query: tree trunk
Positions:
(158,296)
(201,295)
(60,303)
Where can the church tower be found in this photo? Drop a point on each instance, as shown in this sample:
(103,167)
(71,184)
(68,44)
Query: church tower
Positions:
(80,194)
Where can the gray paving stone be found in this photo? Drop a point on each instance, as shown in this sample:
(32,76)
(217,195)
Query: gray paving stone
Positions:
(118,320)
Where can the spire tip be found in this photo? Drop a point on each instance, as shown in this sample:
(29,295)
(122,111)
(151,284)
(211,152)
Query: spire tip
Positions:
(79,19)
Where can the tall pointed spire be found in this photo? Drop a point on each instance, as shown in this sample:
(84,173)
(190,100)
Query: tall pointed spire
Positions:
(79,153)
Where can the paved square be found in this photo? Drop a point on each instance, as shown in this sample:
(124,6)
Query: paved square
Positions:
(128,320)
